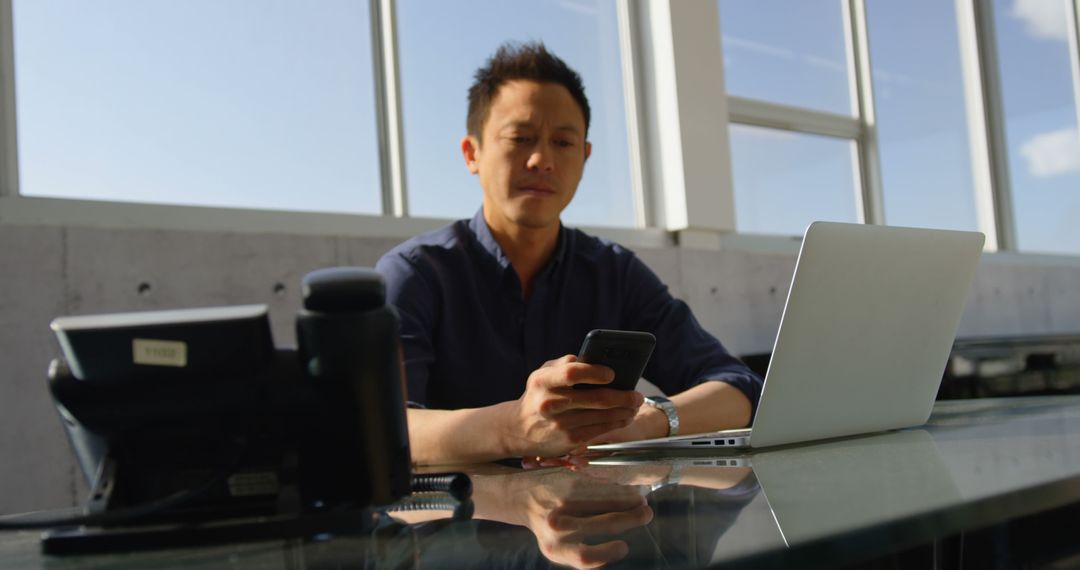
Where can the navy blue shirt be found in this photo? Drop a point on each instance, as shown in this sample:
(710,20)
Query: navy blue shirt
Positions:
(471,340)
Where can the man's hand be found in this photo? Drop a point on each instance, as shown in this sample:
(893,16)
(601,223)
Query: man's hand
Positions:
(709,406)
(552,418)
(648,423)
(571,514)
(579,520)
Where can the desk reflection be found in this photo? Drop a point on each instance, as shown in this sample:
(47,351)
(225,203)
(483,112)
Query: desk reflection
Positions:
(809,492)
(649,510)
(841,486)
(976,464)
(590,516)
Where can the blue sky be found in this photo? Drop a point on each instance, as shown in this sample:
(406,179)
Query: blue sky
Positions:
(792,53)
(269,103)
(922,129)
(257,103)
(1041,123)
(239,103)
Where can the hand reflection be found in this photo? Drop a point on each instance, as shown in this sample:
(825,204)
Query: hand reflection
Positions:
(570,513)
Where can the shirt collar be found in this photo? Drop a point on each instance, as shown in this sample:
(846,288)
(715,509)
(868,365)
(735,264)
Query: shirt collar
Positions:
(487,241)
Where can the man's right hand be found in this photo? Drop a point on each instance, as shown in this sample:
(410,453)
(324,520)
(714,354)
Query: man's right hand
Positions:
(552,418)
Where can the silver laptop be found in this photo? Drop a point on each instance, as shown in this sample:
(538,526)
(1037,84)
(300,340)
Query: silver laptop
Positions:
(864,338)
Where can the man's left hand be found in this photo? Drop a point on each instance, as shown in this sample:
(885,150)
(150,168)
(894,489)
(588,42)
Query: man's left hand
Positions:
(648,423)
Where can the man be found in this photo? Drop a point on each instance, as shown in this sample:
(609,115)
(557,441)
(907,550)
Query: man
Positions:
(494,308)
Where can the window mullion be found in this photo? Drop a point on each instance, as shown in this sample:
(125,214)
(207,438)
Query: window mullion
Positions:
(867,160)
(9,152)
(388,108)
(986,123)
(682,92)
(1073,22)
(761,113)
(629,45)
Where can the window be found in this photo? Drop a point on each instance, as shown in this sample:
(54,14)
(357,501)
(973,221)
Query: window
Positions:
(1040,123)
(894,145)
(240,103)
(250,104)
(922,127)
(441,45)
(786,52)
(785,180)
(794,139)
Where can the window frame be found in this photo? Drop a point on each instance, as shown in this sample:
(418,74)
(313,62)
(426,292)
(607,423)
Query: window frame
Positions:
(859,127)
(9,158)
(678,113)
(388,119)
(394,221)
(993,199)
(986,124)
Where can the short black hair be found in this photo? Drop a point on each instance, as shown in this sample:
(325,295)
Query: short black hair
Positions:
(530,60)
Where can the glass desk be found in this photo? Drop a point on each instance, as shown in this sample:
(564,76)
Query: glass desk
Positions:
(976,464)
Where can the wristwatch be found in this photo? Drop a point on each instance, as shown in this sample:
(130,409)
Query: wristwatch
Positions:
(668,407)
(672,480)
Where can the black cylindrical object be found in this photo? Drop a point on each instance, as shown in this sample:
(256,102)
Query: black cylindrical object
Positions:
(348,346)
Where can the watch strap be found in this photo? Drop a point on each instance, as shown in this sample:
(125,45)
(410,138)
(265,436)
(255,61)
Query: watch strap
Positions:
(668,407)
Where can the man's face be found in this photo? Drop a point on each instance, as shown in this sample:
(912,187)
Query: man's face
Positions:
(530,156)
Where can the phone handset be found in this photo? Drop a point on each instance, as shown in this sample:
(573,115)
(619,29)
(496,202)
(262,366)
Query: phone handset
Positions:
(348,346)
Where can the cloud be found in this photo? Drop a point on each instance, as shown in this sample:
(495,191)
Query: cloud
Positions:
(825,63)
(759,47)
(1053,153)
(580,7)
(1045,19)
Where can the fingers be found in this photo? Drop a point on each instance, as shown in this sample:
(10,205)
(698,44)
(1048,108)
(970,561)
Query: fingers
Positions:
(560,360)
(570,432)
(537,462)
(587,555)
(565,400)
(594,497)
(588,433)
(552,417)
(573,420)
(577,429)
(578,453)
(572,531)
(573,461)
(566,372)
(609,523)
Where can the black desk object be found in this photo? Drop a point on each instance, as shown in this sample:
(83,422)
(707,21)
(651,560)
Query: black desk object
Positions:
(191,428)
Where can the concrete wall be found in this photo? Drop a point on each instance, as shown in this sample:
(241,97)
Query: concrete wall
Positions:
(50,271)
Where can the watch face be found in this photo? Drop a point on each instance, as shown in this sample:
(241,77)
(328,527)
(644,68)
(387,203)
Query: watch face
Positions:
(658,401)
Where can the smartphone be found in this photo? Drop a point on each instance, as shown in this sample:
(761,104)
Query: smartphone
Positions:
(625,352)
